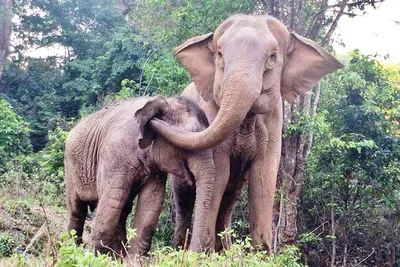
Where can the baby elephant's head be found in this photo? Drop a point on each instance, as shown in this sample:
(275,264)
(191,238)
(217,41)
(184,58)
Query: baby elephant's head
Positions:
(185,116)
(178,111)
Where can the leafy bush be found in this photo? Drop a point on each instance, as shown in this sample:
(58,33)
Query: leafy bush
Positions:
(72,255)
(237,255)
(52,162)
(42,172)
(14,134)
(165,76)
(241,253)
(7,245)
(22,209)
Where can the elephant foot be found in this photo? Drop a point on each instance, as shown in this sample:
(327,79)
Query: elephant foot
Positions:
(200,248)
(135,250)
(204,244)
(140,245)
(261,243)
(181,239)
(105,245)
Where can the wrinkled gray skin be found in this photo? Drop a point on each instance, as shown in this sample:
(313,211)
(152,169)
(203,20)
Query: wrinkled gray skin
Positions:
(111,156)
(240,74)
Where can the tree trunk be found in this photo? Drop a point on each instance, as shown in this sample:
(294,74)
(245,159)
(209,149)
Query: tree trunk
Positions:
(295,150)
(5,31)
(333,231)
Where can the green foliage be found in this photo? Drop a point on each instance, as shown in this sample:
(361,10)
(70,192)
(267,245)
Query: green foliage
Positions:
(236,255)
(129,89)
(7,245)
(90,79)
(165,76)
(52,163)
(43,170)
(101,50)
(308,237)
(161,75)
(14,134)
(72,255)
(352,170)
(80,26)
(183,19)
(31,89)
(22,208)
(17,208)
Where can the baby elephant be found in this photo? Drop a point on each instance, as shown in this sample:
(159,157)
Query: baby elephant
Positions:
(113,155)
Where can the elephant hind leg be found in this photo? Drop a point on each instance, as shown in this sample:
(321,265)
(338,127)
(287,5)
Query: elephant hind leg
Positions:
(224,219)
(183,202)
(77,210)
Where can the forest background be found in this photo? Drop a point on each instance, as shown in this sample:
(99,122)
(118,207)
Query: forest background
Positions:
(338,196)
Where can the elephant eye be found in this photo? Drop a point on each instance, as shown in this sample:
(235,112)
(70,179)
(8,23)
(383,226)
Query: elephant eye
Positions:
(273,56)
(220,60)
(271,61)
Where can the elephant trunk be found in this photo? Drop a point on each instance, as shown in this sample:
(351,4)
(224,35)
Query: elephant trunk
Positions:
(203,168)
(238,95)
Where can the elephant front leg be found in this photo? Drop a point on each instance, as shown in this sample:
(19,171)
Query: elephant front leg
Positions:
(183,198)
(107,221)
(148,209)
(122,221)
(262,182)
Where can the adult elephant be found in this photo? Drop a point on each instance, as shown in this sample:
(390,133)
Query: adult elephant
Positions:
(240,74)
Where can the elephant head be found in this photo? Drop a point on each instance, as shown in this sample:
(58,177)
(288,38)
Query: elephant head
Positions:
(177,111)
(246,66)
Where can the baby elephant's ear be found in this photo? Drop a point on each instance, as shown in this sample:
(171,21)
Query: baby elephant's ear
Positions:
(148,109)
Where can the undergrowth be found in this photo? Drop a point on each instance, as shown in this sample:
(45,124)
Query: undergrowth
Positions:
(239,254)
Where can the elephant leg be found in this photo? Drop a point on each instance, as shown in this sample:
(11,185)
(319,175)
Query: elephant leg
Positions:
(226,210)
(262,183)
(122,221)
(148,209)
(107,221)
(184,198)
(77,210)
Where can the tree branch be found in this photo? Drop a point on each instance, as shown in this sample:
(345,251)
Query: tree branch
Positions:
(328,36)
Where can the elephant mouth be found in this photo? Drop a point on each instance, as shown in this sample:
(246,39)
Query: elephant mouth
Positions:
(247,126)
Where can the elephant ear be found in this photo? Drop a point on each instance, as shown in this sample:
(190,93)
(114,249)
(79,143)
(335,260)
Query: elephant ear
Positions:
(307,63)
(146,110)
(197,55)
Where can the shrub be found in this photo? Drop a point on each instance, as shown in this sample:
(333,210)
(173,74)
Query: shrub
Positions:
(7,245)
(52,158)
(72,255)
(14,135)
